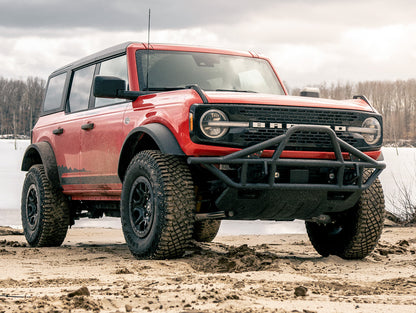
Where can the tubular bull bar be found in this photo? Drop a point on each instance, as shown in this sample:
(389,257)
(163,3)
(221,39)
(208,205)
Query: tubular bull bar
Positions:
(358,161)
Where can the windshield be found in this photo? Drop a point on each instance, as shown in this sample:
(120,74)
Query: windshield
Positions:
(212,72)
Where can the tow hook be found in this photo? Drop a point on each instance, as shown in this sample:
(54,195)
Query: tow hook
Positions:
(322,219)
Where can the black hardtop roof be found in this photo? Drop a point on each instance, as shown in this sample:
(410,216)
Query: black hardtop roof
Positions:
(117,49)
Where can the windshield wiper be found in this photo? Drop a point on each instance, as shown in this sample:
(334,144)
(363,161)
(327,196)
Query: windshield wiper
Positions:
(236,90)
(165,88)
(193,86)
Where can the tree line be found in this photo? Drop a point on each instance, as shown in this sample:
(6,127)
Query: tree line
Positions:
(20,102)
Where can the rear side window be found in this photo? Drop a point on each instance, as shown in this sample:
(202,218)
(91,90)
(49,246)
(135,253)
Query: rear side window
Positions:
(81,89)
(116,67)
(54,92)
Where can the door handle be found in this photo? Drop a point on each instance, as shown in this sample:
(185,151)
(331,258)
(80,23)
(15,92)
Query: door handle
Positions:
(58,131)
(87,126)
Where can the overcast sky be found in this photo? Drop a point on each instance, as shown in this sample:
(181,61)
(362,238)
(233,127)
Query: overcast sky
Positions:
(309,42)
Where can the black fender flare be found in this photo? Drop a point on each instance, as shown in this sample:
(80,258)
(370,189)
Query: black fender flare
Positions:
(42,153)
(160,134)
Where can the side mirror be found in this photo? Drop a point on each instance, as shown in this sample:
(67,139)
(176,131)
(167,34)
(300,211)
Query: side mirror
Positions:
(108,86)
(310,92)
(113,87)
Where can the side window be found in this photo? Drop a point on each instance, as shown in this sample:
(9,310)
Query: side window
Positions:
(53,97)
(115,67)
(81,89)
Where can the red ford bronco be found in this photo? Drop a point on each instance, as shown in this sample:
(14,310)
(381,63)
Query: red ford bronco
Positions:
(174,139)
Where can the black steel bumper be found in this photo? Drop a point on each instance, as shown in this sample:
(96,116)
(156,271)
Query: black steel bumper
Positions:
(358,161)
(270,198)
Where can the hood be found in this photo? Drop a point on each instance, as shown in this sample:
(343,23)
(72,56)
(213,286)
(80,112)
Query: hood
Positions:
(284,100)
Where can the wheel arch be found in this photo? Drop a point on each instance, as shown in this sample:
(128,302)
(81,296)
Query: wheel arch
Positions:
(147,137)
(42,153)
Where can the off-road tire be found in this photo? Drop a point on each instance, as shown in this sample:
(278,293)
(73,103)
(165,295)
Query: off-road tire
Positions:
(44,210)
(354,233)
(205,231)
(157,206)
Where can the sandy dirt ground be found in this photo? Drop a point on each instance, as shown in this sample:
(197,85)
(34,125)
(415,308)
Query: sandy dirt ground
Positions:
(94,271)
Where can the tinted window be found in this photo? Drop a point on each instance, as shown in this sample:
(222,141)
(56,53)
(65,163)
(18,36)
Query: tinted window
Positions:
(53,97)
(80,89)
(115,67)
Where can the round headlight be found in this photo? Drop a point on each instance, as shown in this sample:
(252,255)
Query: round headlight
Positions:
(212,123)
(371,130)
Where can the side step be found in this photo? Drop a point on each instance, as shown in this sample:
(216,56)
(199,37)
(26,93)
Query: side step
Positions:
(210,216)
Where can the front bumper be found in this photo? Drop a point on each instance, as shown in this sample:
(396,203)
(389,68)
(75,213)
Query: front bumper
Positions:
(358,161)
(300,197)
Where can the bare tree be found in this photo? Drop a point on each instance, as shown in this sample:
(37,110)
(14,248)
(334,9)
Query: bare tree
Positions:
(20,103)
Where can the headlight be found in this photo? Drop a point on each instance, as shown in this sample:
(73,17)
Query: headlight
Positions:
(213,123)
(370,130)
(373,133)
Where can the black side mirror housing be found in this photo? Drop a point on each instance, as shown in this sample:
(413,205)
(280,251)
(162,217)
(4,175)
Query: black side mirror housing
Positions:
(108,86)
(113,87)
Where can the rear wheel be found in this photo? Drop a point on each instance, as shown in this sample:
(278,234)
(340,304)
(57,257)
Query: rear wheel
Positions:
(205,231)
(44,210)
(354,233)
(157,205)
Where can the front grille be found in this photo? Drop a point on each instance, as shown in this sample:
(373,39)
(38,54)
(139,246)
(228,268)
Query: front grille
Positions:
(304,140)
(285,117)
(299,115)
(299,141)
(258,135)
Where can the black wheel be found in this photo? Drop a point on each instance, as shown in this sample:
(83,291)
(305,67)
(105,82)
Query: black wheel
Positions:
(205,231)
(157,205)
(354,233)
(44,210)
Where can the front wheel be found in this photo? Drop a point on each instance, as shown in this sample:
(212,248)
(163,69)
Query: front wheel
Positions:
(157,205)
(354,233)
(44,210)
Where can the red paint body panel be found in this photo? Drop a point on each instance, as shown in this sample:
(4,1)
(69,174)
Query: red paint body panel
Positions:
(101,146)
(244,98)
(141,46)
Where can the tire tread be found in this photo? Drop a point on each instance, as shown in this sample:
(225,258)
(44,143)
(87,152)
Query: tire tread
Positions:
(363,225)
(178,200)
(54,220)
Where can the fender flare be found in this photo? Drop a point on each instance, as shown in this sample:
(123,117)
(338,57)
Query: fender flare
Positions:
(42,153)
(160,134)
